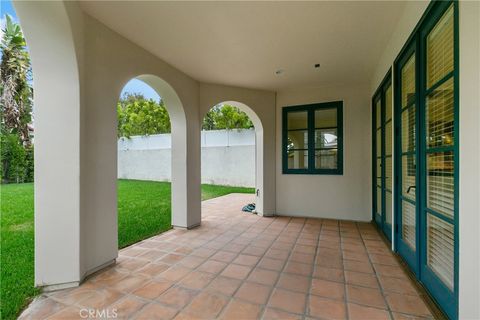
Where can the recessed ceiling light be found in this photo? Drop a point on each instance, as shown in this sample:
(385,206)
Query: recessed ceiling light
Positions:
(279,72)
(317,65)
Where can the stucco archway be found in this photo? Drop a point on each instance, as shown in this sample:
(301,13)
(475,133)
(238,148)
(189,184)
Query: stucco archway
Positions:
(259,147)
(178,122)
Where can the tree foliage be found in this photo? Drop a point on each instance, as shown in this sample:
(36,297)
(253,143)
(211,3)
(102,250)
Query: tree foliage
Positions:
(138,116)
(227,117)
(16,100)
(15,90)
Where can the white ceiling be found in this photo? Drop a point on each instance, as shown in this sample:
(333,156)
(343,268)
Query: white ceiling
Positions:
(244,43)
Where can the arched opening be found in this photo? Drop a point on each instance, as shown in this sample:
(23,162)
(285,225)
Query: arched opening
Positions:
(232,155)
(143,164)
(154,156)
(178,130)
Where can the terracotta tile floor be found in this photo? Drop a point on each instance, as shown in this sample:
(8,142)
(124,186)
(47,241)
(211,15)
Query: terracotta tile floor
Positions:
(241,266)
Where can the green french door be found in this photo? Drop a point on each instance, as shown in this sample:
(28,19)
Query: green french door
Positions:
(383,156)
(407,232)
(426,148)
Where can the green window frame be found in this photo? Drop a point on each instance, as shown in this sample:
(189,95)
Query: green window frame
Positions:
(316,153)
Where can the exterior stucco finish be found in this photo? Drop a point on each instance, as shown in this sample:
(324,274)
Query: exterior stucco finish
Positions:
(346,196)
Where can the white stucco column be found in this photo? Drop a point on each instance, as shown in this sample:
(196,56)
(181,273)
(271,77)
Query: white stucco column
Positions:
(57,111)
(186,194)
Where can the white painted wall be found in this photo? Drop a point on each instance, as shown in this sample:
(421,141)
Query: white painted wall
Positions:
(228,157)
(234,166)
(410,16)
(210,138)
(346,196)
(469,202)
(469,206)
(151,164)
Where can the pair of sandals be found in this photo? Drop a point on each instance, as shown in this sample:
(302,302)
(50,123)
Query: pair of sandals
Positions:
(249,208)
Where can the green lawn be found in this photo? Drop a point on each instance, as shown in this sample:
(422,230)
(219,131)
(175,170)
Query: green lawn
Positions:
(143,211)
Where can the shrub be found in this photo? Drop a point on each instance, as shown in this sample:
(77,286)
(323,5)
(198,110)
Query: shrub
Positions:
(16,160)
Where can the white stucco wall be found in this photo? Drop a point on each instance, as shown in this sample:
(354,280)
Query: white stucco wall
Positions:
(346,196)
(228,157)
(210,138)
(234,166)
(469,202)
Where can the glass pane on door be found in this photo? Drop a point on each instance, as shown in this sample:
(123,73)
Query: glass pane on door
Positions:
(379,172)
(388,207)
(388,173)
(440,183)
(439,116)
(378,112)
(379,143)
(440,49)
(408,224)
(408,82)
(388,138)
(409,171)
(439,161)
(379,201)
(440,249)
(408,161)
(388,104)
(408,129)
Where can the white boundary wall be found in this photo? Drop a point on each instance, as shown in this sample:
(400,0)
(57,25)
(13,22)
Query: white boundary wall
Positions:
(228,157)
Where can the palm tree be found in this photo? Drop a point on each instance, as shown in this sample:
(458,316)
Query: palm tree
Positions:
(15,90)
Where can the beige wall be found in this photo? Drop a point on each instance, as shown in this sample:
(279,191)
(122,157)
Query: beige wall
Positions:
(346,196)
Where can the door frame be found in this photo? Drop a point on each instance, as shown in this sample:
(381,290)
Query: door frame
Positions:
(380,95)
(403,249)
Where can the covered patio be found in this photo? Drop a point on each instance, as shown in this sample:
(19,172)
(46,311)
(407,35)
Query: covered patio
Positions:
(238,265)
(363,111)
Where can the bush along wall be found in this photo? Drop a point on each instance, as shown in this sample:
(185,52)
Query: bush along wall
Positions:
(16,160)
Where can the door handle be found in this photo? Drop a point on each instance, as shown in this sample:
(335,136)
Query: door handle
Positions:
(411,187)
